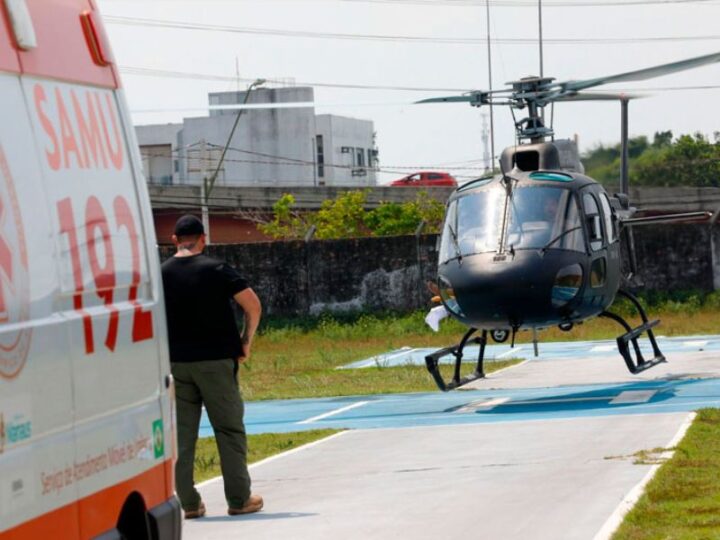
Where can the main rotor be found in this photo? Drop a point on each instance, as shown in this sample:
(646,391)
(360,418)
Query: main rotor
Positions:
(534,93)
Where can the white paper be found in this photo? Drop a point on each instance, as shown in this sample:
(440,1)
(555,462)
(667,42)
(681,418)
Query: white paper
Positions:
(436,315)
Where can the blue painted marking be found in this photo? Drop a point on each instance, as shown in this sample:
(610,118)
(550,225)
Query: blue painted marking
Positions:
(435,409)
(547,350)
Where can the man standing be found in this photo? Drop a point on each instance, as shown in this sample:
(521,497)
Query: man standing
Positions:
(205,350)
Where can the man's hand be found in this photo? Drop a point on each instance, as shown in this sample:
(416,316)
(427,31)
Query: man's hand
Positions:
(245,352)
(250,304)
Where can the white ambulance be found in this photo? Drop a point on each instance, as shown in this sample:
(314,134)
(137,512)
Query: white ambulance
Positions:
(86,418)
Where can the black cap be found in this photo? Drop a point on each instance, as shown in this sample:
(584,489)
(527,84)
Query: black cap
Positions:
(189,225)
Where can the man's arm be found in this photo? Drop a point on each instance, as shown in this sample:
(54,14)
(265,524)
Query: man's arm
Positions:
(250,304)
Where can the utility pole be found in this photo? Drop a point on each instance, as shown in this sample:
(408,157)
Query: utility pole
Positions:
(540,36)
(203,189)
(492,121)
(487,161)
(209,183)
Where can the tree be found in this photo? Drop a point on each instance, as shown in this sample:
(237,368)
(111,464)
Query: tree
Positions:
(346,217)
(342,217)
(691,160)
(285,223)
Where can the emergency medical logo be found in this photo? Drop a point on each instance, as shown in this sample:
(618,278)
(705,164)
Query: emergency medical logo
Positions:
(14,278)
(158,439)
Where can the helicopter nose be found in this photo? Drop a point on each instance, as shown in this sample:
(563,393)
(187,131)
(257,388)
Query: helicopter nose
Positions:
(529,288)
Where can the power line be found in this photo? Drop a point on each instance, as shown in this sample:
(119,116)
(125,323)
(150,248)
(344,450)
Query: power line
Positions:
(529,3)
(151,72)
(512,3)
(282,160)
(181,25)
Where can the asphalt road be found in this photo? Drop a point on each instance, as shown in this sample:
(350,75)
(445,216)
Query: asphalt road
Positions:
(539,451)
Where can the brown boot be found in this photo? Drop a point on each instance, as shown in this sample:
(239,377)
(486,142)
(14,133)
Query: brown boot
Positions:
(253,504)
(194,514)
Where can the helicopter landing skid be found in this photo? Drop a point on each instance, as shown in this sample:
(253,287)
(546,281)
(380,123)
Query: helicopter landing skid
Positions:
(639,363)
(432,361)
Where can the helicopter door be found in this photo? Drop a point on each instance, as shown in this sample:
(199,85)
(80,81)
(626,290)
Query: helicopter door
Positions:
(598,249)
(614,263)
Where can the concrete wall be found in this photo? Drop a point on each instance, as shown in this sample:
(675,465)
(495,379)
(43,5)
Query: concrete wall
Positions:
(295,278)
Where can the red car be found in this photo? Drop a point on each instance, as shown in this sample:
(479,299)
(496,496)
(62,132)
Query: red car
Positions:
(427,178)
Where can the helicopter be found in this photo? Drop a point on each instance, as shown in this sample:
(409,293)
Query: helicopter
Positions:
(539,245)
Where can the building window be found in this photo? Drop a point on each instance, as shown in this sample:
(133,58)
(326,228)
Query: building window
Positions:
(359,158)
(320,155)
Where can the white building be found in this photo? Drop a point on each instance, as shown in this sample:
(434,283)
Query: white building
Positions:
(270,147)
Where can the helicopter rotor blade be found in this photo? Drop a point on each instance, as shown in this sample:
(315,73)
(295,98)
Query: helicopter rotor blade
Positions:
(643,74)
(476,97)
(597,97)
(448,99)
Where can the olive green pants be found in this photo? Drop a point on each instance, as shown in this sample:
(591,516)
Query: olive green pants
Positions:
(212,383)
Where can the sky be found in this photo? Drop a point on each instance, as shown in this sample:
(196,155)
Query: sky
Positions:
(437,46)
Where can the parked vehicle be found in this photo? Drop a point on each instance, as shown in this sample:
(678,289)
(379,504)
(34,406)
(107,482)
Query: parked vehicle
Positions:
(427,178)
(87,428)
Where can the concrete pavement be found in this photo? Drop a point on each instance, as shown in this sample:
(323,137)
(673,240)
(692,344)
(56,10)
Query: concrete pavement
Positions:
(558,473)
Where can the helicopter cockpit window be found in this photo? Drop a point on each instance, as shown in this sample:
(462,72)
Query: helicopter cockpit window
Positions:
(544,217)
(592,215)
(539,217)
(449,248)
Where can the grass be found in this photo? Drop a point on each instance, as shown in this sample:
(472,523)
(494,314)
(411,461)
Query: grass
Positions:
(683,499)
(297,358)
(207,460)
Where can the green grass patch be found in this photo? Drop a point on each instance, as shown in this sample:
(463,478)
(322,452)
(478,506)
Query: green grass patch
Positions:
(683,499)
(207,460)
(311,379)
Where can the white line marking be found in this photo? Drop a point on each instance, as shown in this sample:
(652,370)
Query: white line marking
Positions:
(695,343)
(332,413)
(485,403)
(603,348)
(513,350)
(277,456)
(633,396)
(616,518)
(379,359)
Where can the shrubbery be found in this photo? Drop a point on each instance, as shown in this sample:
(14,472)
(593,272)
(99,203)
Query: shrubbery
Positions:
(346,217)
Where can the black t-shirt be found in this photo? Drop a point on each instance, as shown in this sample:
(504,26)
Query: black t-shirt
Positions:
(201,323)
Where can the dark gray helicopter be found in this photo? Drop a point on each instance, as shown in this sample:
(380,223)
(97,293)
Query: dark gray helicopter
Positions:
(540,244)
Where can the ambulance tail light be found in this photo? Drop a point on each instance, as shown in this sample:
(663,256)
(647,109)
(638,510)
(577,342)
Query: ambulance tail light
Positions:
(96,39)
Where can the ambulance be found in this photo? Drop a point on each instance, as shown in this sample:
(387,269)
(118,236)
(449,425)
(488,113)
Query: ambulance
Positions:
(86,412)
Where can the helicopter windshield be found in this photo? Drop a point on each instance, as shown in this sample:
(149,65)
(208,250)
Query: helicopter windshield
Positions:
(539,217)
